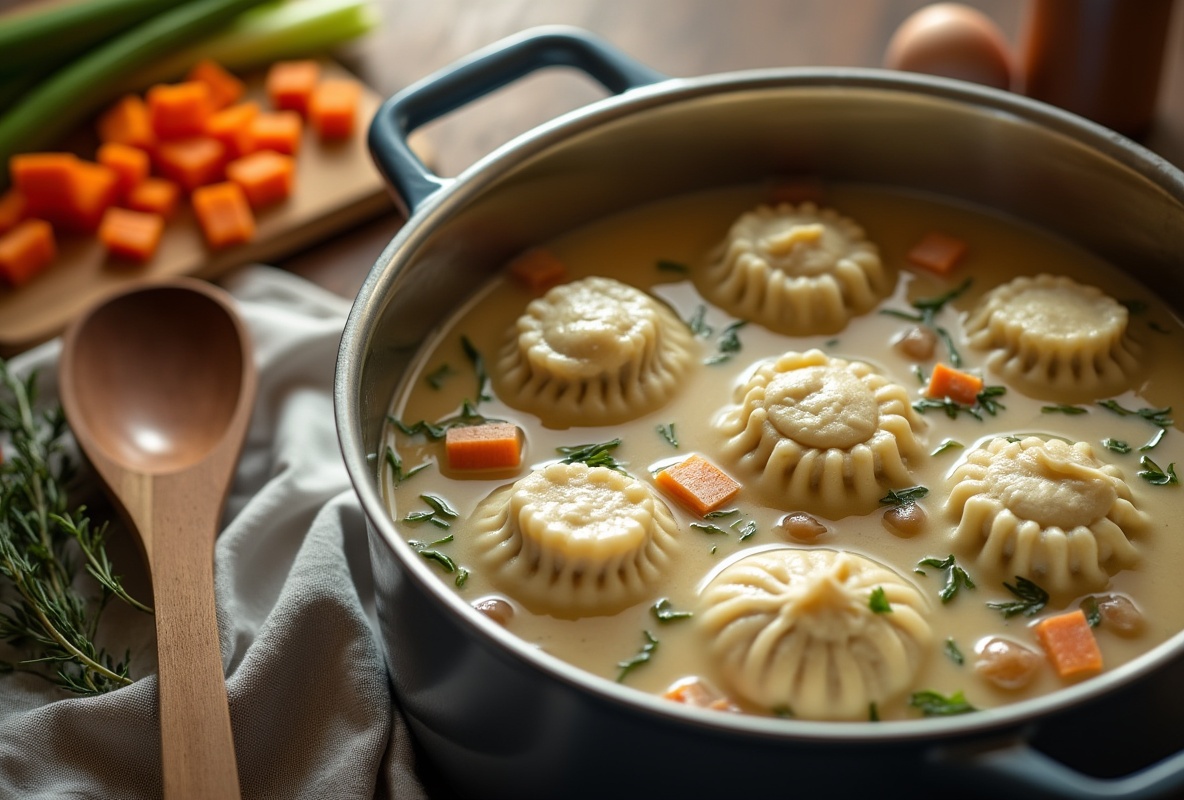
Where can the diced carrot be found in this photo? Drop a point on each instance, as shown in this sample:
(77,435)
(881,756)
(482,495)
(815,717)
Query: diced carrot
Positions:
(225,88)
(46,180)
(179,110)
(698,484)
(538,270)
(959,386)
(492,445)
(1070,644)
(192,162)
(13,208)
(130,234)
(289,84)
(232,127)
(155,196)
(95,189)
(127,122)
(276,130)
(131,164)
(937,252)
(223,213)
(265,176)
(26,250)
(333,107)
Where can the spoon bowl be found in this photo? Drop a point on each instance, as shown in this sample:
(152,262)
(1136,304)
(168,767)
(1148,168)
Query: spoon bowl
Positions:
(158,383)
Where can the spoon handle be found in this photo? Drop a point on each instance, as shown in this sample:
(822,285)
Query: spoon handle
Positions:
(197,745)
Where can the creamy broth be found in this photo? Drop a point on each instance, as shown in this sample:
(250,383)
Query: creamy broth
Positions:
(629,247)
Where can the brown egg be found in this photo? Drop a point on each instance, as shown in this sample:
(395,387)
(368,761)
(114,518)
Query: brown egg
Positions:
(954,41)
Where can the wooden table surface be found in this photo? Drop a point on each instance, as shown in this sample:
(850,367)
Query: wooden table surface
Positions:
(676,37)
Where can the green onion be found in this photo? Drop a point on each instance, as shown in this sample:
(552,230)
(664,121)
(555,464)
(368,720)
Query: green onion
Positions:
(84,85)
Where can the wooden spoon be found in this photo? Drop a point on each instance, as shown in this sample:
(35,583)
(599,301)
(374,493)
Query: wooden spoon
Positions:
(158,384)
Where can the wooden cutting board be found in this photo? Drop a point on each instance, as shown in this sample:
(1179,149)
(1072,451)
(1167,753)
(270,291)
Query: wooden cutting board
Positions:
(337,186)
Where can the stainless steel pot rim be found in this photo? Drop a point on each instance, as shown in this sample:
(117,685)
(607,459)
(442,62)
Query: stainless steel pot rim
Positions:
(474,180)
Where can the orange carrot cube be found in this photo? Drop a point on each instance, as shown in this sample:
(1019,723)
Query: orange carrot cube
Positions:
(46,180)
(131,164)
(95,188)
(493,445)
(232,127)
(133,235)
(937,252)
(538,270)
(179,110)
(154,196)
(224,214)
(192,162)
(276,130)
(333,107)
(1070,644)
(26,250)
(698,484)
(224,87)
(954,384)
(127,122)
(289,84)
(13,209)
(265,176)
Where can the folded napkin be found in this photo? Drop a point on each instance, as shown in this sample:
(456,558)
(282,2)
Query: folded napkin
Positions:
(310,700)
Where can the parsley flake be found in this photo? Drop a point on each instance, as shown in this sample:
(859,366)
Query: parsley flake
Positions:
(642,657)
(904,497)
(878,601)
(1030,599)
(1155,475)
(956,577)
(594,455)
(933,704)
(665,613)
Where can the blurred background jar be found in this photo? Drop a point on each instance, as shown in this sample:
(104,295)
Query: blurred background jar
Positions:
(1101,59)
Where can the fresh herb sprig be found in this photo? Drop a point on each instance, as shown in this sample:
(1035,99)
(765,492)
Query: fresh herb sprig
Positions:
(1030,599)
(956,577)
(643,656)
(46,615)
(927,309)
(598,454)
(987,401)
(934,704)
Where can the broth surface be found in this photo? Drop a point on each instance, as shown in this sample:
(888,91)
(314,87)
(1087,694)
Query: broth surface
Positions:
(630,247)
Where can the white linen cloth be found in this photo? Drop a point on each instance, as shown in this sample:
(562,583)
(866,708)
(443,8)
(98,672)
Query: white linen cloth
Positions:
(310,700)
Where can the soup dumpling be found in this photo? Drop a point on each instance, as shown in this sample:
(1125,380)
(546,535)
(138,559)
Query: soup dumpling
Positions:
(799,270)
(816,433)
(572,540)
(800,630)
(1046,510)
(1056,337)
(593,352)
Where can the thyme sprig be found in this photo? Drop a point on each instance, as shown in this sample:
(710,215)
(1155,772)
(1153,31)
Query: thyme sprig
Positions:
(598,454)
(1030,599)
(45,614)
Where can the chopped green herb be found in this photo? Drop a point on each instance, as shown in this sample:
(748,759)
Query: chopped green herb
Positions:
(784,712)
(831,343)
(947,444)
(396,465)
(1030,599)
(956,576)
(728,343)
(928,308)
(1156,416)
(1117,445)
(666,265)
(439,506)
(953,652)
(948,341)
(438,510)
(936,304)
(462,577)
(873,713)
(708,528)
(922,378)
(446,563)
(723,513)
(667,433)
(594,455)
(986,401)
(1063,409)
(698,323)
(932,704)
(1154,440)
(643,656)
(878,601)
(748,528)
(1093,614)
(904,497)
(478,362)
(436,377)
(1153,474)
(436,431)
(663,611)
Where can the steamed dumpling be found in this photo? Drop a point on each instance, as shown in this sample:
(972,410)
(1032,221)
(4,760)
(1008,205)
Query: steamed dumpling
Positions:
(798,270)
(797,629)
(1056,337)
(571,540)
(815,433)
(1046,510)
(593,352)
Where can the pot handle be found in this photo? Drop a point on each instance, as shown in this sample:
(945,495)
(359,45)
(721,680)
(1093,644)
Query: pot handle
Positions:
(1020,770)
(476,76)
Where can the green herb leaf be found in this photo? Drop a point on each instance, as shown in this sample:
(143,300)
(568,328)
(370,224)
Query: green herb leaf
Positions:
(1093,614)
(667,433)
(1156,416)
(478,361)
(643,656)
(665,613)
(1117,445)
(953,652)
(873,712)
(1063,409)
(1030,599)
(1154,440)
(446,563)
(955,576)
(666,265)
(728,343)
(698,323)
(708,528)
(594,455)
(396,466)
(439,506)
(986,399)
(748,528)
(878,601)
(722,513)
(436,431)
(985,402)
(946,445)
(1153,474)
(462,577)
(933,704)
(935,304)
(436,377)
(904,497)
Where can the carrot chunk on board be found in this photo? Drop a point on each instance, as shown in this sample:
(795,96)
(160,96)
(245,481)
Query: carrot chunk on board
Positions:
(154,195)
(697,484)
(1070,644)
(192,162)
(333,107)
(133,235)
(492,445)
(94,189)
(223,213)
(46,180)
(127,122)
(131,164)
(538,270)
(177,110)
(26,250)
(276,130)
(266,176)
(13,208)
(232,127)
(289,84)
(224,87)
(959,386)
(937,252)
